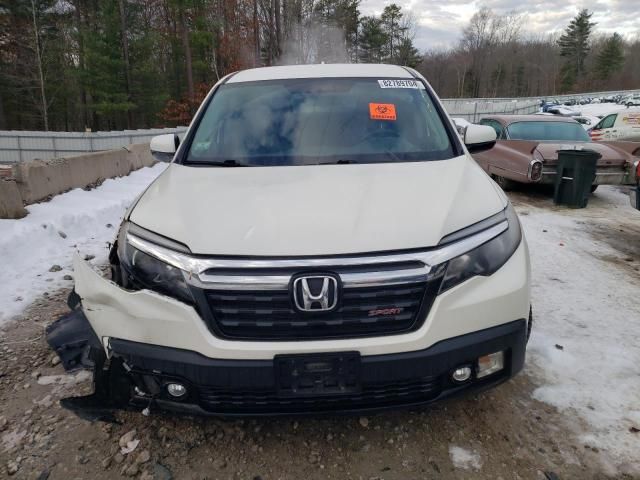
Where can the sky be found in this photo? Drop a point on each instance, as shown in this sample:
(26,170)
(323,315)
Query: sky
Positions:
(439,23)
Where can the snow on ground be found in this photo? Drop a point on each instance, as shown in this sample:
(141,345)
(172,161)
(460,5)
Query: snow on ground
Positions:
(586,299)
(54,230)
(464,459)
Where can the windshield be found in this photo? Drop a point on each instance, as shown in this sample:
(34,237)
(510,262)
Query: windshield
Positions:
(315,121)
(548,131)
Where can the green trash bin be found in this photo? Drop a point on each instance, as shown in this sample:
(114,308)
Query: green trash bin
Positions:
(634,197)
(576,172)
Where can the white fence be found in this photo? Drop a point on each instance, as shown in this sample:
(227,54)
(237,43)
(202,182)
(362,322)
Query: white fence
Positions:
(472,109)
(18,146)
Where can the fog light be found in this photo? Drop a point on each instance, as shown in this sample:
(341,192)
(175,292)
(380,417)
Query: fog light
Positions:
(176,390)
(489,364)
(461,374)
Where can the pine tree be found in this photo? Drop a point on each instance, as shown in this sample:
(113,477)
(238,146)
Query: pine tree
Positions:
(372,40)
(574,45)
(407,54)
(391,17)
(611,58)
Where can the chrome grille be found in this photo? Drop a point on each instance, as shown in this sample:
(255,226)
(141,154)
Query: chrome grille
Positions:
(269,314)
(390,302)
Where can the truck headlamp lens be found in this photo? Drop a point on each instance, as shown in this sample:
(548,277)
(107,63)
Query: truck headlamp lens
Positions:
(487,258)
(141,270)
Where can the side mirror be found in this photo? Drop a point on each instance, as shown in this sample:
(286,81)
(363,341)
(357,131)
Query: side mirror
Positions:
(479,137)
(164,147)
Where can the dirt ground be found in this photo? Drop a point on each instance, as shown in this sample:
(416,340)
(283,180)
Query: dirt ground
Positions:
(505,433)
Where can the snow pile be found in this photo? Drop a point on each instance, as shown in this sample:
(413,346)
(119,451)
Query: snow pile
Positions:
(586,302)
(48,236)
(464,459)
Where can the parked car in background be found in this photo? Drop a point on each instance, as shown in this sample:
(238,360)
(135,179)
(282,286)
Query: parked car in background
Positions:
(359,259)
(587,121)
(527,151)
(632,101)
(545,105)
(623,125)
(563,111)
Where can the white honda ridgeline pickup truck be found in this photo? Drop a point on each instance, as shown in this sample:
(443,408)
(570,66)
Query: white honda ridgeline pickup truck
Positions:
(322,241)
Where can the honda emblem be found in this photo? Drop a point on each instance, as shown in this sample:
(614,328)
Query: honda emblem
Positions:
(315,293)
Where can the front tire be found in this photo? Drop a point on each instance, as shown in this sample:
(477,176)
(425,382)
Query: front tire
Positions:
(505,183)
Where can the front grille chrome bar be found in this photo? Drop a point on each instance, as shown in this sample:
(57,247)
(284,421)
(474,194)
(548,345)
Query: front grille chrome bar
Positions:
(281,282)
(200,272)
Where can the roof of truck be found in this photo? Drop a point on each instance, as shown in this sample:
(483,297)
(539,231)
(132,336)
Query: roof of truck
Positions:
(329,70)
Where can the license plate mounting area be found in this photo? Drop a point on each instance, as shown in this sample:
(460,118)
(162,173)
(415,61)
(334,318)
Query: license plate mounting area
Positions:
(317,374)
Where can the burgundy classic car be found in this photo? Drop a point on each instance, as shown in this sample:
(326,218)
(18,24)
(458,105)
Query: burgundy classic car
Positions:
(527,151)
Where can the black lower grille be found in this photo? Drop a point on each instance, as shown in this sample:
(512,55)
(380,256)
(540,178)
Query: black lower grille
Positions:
(372,396)
(268,315)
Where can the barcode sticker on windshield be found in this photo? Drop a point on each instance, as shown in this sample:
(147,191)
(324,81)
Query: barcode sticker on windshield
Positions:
(400,84)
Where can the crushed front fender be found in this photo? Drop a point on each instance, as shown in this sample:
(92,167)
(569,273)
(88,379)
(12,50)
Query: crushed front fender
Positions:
(73,339)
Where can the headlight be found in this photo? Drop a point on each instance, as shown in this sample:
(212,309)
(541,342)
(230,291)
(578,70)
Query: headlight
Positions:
(140,270)
(487,258)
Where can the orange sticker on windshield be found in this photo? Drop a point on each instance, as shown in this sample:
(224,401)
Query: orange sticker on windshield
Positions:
(382,111)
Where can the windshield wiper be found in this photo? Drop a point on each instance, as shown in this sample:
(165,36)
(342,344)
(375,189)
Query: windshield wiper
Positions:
(221,163)
(339,162)
(226,163)
(346,161)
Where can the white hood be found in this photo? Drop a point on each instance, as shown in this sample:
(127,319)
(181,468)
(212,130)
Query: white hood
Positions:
(316,210)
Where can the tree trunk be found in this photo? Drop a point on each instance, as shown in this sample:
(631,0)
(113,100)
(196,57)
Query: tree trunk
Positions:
(125,54)
(256,34)
(81,65)
(43,95)
(187,52)
(3,120)
(278,17)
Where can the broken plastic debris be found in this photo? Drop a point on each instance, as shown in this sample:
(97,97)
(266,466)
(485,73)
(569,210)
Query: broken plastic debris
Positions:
(131,446)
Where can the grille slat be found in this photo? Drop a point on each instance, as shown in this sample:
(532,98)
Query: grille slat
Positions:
(375,395)
(391,320)
(287,315)
(271,314)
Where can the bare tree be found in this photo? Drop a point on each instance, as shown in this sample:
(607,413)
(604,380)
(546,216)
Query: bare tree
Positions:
(37,47)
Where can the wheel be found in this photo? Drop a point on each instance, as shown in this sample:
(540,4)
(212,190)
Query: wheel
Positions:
(594,188)
(505,183)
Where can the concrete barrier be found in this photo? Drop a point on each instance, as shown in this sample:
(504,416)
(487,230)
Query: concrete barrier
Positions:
(38,180)
(11,205)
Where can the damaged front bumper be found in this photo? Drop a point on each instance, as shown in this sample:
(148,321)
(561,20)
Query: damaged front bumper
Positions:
(136,375)
(138,342)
